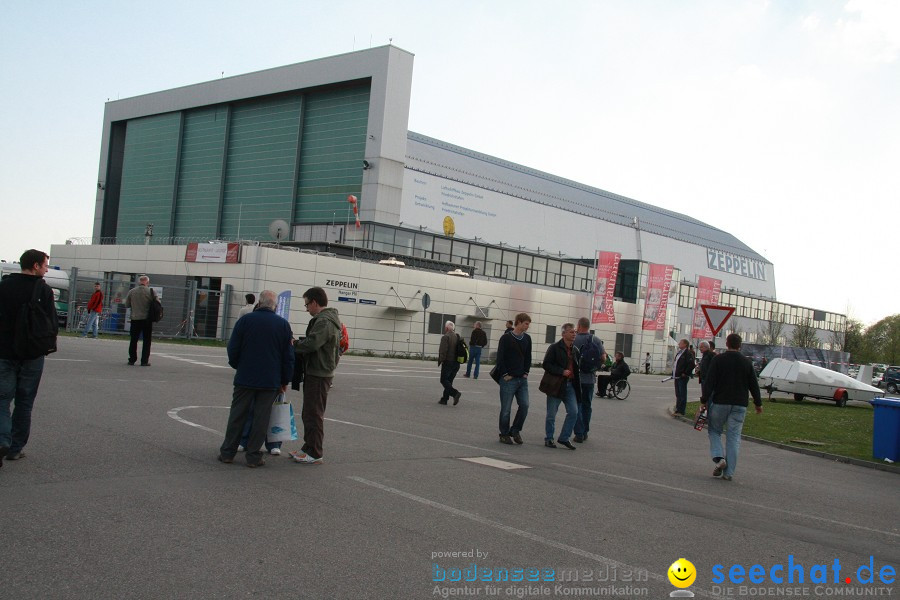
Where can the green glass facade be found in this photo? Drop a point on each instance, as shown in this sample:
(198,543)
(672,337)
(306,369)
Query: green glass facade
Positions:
(148,174)
(227,171)
(200,177)
(334,140)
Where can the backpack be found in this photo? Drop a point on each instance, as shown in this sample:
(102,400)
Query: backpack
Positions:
(345,339)
(35,332)
(590,356)
(156,310)
(462,350)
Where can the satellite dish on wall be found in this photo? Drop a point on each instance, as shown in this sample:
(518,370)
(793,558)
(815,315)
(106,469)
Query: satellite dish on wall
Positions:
(279,229)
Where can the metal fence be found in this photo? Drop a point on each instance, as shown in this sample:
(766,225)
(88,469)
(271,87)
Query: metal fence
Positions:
(188,311)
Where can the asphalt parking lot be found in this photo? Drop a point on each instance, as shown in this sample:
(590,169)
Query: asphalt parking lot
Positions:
(121,496)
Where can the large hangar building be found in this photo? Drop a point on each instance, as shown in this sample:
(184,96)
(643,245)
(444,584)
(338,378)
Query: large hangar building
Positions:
(222,160)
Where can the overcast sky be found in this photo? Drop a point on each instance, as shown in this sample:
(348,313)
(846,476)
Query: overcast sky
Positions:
(776,121)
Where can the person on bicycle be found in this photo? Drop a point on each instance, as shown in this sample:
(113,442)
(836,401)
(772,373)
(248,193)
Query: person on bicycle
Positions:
(619,370)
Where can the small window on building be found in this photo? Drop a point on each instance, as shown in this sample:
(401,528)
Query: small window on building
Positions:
(436,322)
(551,334)
(623,344)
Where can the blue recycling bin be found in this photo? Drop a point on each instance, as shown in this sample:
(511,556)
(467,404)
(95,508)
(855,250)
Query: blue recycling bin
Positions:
(886,430)
(114,323)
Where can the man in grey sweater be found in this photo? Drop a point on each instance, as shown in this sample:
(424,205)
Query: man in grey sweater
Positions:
(138,300)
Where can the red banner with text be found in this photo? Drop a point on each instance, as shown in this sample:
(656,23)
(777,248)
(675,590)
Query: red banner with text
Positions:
(659,281)
(709,291)
(603,310)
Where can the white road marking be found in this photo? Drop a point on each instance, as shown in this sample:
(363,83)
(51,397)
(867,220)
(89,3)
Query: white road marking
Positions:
(174,414)
(766,507)
(412,435)
(193,362)
(493,462)
(521,533)
(436,376)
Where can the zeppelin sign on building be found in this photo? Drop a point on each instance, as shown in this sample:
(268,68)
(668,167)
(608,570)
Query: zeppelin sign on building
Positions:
(738,265)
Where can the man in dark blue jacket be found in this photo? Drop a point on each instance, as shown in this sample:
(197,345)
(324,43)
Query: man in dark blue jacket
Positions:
(261,351)
(513,364)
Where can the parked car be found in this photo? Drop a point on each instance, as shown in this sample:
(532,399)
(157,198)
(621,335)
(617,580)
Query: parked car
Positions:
(891,379)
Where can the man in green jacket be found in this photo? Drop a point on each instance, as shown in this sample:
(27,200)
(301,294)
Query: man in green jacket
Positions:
(320,351)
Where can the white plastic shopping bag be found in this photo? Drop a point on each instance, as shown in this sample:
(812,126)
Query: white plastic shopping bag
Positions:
(282,427)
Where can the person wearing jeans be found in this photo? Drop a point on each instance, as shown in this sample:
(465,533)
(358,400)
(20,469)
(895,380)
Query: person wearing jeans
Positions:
(571,405)
(583,337)
(513,387)
(563,359)
(94,307)
(725,387)
(21,368)
(476,343)
(513,365)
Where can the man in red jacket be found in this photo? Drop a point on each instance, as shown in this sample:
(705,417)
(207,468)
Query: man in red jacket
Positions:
(94,308)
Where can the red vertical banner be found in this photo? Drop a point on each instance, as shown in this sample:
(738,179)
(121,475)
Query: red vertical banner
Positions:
(709,291)
(659,281)
(602,310)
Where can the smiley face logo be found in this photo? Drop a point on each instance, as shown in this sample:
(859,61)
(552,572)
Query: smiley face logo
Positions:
(682,573)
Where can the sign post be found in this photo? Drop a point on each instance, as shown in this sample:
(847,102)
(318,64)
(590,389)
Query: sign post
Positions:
(716,316)
(426,302)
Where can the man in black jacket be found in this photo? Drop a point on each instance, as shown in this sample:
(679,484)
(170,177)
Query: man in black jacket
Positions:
(682,369)
(563,360)
(448,363)
(620,370)
(707,354)
(513,364)
(20,375)
(725,389)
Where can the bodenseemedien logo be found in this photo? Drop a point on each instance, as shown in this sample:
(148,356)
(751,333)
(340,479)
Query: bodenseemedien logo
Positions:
(682,574)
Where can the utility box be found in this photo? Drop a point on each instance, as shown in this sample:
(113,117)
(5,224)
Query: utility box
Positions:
(886,429)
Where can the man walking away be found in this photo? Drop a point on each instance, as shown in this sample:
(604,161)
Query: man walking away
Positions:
(138,300)
(320,349)
(592,352)
(682,368)
(476,343)
(647,364)
(22,360)
(725,388)
(260,352)
(448,363)
(247,308)
(513,364)
(94,308)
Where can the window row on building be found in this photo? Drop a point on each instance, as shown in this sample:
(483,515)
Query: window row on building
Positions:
(766,309)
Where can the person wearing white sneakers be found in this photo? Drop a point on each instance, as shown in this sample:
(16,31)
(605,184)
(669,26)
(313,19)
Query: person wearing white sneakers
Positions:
(260,352)
(320,350)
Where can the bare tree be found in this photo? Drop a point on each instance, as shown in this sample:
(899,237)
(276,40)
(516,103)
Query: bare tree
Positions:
(836,339)
(737,326)
(805,335)
(770,331)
